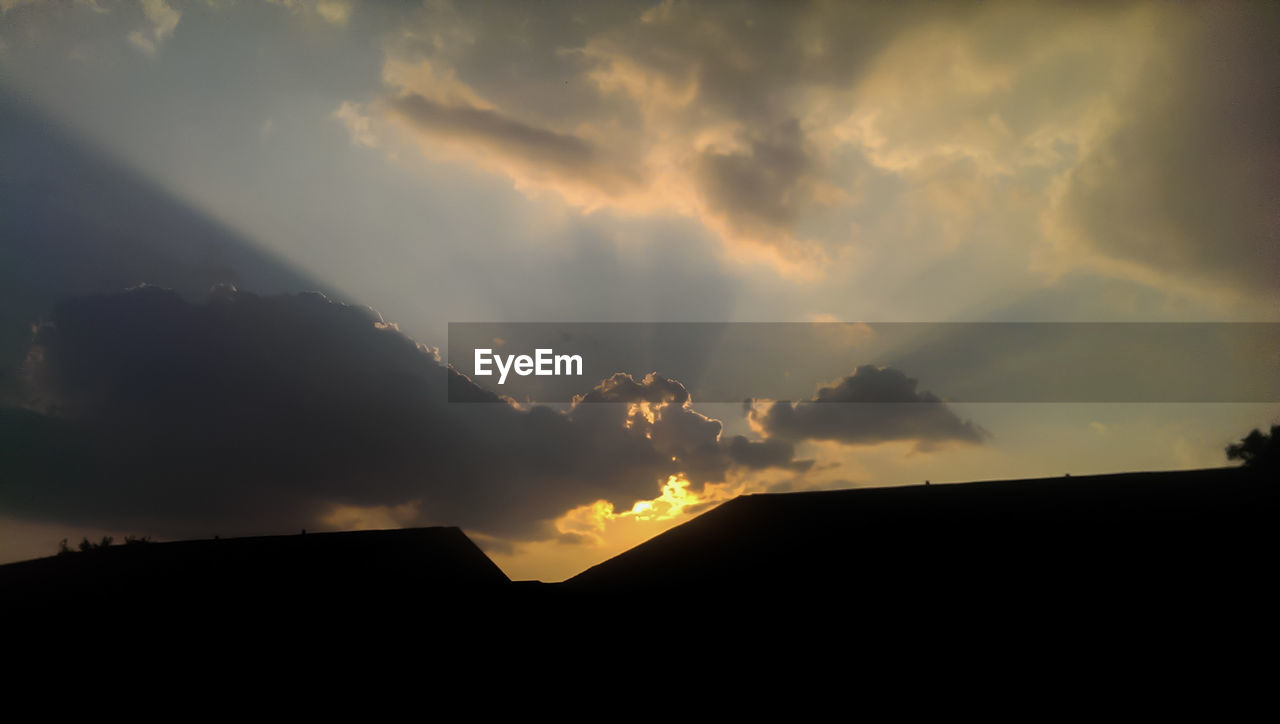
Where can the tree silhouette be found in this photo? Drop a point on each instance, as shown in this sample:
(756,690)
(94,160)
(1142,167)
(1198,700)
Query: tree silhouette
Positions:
(106,542)
(88,545)
(1258,450)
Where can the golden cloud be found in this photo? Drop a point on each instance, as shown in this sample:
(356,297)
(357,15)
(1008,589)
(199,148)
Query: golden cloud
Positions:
(786,130)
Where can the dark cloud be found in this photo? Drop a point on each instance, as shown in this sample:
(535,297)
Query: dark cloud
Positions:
(759,454)
(483,124)
(661,409)
(653,389)
(1189,182)
(762,190)
(74,222)
(872,405)
(261,414)
(563,154)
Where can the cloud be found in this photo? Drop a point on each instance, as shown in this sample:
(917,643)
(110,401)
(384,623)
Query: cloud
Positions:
(540,151)
(1127,139)
(661,409)
(589,524)
(162,20)
(759,190)
(1182,188)
(7,5)
(872,405)
(759,454)
(333,12)
(358,124)
(652,389)
(261,414)
(645,110)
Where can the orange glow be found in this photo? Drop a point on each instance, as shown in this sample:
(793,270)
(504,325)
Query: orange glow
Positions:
(591,520)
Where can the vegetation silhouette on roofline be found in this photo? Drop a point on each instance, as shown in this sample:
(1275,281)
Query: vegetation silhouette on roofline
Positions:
(1258,450)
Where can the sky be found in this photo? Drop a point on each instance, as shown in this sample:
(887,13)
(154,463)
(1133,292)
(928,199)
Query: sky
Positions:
(234,233)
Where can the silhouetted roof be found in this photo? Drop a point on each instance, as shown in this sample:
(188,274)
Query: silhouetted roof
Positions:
(1046,532)
(440,561)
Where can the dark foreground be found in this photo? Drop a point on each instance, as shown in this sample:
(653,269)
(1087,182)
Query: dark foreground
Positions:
(1174,559)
